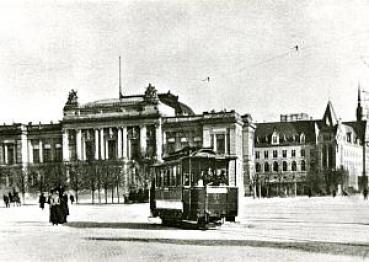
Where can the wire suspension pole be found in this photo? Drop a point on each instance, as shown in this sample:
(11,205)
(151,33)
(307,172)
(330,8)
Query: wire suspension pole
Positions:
(120,79)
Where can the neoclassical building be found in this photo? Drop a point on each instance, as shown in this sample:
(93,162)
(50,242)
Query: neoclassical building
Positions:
(106,147)
(129,133)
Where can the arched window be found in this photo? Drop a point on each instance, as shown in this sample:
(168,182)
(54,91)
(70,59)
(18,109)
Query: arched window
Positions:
(303,165)
(302,138)
(266,167)
(294,167)
(257,167)
(275,166)
(285,166)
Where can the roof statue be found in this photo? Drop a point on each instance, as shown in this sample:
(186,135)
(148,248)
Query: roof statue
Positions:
(72,98)
(151,95)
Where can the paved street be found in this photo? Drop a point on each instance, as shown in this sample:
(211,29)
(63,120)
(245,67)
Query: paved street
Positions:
(277,229)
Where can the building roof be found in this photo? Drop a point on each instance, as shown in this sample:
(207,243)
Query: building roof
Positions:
(134,102)
(289,132)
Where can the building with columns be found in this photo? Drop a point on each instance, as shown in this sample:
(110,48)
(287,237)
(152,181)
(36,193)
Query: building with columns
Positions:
(109,145)
(129,133)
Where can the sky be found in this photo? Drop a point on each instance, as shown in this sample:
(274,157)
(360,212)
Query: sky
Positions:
(246,48)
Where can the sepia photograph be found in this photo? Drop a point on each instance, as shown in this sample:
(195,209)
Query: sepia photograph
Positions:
(184,130)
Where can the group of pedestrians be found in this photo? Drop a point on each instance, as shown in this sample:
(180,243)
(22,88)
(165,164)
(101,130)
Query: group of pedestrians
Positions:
(58,205)
(12,198)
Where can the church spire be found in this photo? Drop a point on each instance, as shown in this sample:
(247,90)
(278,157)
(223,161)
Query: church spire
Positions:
(359,94)
(359,109)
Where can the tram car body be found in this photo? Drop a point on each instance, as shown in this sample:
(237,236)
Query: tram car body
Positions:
(195,186)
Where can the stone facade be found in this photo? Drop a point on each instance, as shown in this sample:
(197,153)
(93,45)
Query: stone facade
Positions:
(301,156)
(129,133)
(111,144)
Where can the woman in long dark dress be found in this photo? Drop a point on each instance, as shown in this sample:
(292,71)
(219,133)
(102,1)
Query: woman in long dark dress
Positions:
(64,207)
(42,201)
(54,208)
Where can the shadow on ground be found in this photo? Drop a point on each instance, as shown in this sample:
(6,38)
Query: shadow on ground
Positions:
(350,249)
(117,225)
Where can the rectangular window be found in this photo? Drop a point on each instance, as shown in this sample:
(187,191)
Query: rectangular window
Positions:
(257,154)
(11,155)
(135,149)
(184,141)
(112,150)
(47,154)
(90,150)
(220,143)
(266,154)
(293,153)
(58,154)
(303,152)
(170,148)
(284,153)
(36,156)
(275,153)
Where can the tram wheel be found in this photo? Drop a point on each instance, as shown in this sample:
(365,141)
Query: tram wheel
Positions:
(231,218)
(166,222)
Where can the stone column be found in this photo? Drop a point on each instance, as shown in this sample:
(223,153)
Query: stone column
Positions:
(79,144)
(30,151)
(102,144)
(119,143)
(96,144)
(214,142)
(206,137)
(226,143)
(66,156)
(124,142)
(83,146)
(6,154)
(40,151)
(143,142)
(163,143)
(110,132)
(106,149)
(159,140)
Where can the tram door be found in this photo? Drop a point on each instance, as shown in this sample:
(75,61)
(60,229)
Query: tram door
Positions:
(194,190)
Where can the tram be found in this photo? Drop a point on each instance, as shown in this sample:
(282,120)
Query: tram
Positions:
(195,186)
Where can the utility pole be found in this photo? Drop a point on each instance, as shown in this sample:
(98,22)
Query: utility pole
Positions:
(120,79)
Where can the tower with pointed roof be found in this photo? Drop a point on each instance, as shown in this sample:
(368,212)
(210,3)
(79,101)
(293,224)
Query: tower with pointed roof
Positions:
(359,109)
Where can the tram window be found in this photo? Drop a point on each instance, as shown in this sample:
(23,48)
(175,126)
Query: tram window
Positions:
(223,177)
(173,176)
(158,180)
(200,179)
(178,174)
(208,176)
(167,178)
(162,178)
(186,179)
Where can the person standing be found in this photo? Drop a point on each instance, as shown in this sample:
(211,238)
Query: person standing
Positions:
(64,206)
(365,193)
(71,197)
(42,201)
(6,200)
(54,207)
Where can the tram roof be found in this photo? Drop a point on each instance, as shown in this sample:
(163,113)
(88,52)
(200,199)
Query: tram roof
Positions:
(195,152)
